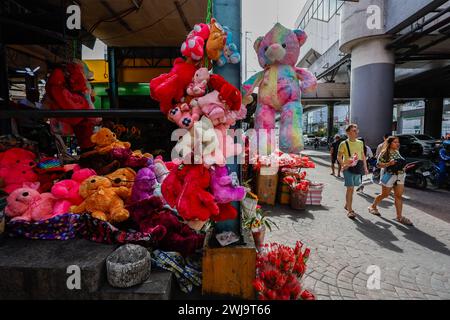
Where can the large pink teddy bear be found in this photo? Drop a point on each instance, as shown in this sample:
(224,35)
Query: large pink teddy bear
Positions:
(222,186)
(66,192)
(193,47)
(197,87)
(280,86)
(184,115)
(29,205)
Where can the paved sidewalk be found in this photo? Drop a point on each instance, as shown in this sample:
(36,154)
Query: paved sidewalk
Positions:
(414,261)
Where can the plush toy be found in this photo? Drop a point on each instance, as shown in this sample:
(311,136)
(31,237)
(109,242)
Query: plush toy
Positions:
(106,140)
(28,204)
(211,106)
(73,94)
(102,200)
(170,87)
(195,41)
(185,189)
(184,115)
(66,192)
(279,86)
(230,52)
(197,87)
(162,169)
(123,177)
(227,92)
(216,41)
(131,159)
(144,184)
(16,168)
(222,186)
(169,233)
(103,164)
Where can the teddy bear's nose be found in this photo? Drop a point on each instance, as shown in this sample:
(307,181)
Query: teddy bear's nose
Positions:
(25,194)
(93,181)
(117,180)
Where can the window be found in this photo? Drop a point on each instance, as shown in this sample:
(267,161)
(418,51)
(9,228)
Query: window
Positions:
(326,10)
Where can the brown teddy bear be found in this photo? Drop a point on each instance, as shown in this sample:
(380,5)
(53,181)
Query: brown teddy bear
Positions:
(102,200)
(106,140)
(123,177)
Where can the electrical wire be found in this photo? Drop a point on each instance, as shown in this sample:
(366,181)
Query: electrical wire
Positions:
(117,17)
(144,27)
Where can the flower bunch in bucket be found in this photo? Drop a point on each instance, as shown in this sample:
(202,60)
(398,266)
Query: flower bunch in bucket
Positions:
(297,182)
(279,271)
(258,223)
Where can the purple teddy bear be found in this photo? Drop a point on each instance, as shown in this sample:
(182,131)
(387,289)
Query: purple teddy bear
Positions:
(222,186)
(144,184)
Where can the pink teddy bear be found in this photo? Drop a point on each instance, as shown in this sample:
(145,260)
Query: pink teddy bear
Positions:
(222,186)
(197,87)
(66,191)
(193,47)
(184,115)
(29,205)
(211,106)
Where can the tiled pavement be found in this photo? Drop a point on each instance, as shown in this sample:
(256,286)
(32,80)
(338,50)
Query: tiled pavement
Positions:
(414,262)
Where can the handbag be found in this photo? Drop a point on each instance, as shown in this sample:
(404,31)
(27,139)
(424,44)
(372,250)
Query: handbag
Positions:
(359,167)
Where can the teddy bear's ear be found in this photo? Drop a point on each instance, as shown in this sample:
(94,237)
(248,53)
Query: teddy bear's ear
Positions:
(94,138)
(31,185)
(131,171)
(301,36)
(257,43)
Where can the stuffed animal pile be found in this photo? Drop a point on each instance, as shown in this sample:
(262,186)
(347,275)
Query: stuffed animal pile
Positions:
(198,185)
(280,86)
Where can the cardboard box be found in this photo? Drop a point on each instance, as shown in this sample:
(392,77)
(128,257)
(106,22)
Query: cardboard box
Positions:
(267,183)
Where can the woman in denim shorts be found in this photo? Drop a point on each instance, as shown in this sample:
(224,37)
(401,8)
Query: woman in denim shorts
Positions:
(392,178)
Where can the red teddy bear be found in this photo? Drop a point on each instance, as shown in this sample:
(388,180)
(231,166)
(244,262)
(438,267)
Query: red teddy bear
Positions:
(185,189)
(16,168)
(168,232)
(169,88)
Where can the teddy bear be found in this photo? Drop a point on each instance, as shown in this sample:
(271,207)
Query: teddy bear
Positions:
(132,159)
(195,41)
(184,115)
(103,164)
(230,52)
(66,192)
(280,86)
(29,205)
(169,233)
(144,184)
(123,177)
(102,200)
(216,40)
(185,189)
(197,87)
(171,87)
(105,141)
(16,168)
(211,106)
(222,186)
(69,88)
(227,92)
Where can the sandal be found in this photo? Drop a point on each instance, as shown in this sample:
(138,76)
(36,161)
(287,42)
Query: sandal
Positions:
(405,221)
(374,211)
(351,215)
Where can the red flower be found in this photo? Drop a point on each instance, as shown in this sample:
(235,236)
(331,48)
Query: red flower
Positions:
(306,295)
(258,284)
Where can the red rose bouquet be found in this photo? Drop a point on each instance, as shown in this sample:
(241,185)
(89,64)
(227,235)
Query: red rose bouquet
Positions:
(279,271)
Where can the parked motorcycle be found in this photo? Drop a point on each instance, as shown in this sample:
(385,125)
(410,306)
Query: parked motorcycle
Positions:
(422,174)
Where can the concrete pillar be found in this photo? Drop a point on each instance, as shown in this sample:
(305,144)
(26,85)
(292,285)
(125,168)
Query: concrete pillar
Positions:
(434,109)
(363,34)
(228,13)
(372,89)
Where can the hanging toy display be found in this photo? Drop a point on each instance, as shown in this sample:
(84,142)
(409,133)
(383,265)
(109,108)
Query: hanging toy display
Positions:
(280,86)
(206,105)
